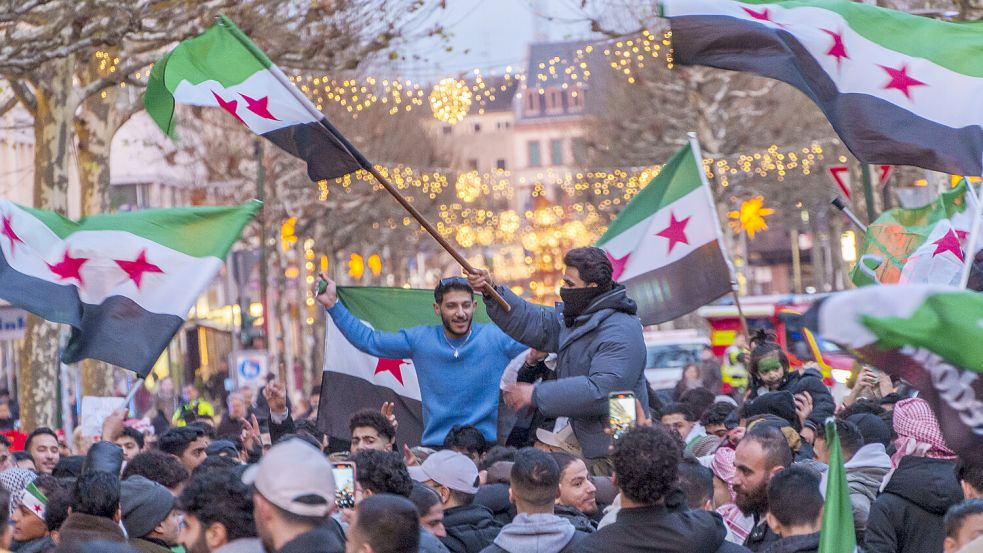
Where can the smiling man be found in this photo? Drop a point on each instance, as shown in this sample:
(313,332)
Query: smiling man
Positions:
(458,362)
(42,445)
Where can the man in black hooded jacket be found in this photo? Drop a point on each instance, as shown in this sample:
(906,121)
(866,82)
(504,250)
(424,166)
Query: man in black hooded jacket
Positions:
(599,345)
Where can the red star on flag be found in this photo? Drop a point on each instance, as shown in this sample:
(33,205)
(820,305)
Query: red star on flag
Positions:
(837,50)
(949,243)
(8,231)
(259,107)
(390,366)
(37,508)
(229,106)
(617,264)
(901,80)
(675,232)
(763,15)
(69,267)
(136,268)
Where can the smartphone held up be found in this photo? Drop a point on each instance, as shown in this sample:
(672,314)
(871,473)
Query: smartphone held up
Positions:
(621,413)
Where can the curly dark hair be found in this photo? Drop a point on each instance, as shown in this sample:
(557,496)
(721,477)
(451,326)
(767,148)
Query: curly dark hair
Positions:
(763,344)
(592,264)
(218,495)
(163,468)
(97,494)
(137,436)
(176,440)
(646,461)
(862,405)
(466,439)
(717,413)
(371,418)
(382,472)
(59,494)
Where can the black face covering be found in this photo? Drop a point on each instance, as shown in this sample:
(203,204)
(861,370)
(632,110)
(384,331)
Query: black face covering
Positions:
(576,301)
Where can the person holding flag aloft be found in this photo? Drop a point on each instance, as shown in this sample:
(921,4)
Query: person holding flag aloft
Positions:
(458,363)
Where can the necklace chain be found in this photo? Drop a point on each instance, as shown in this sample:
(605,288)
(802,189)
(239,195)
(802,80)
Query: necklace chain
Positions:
(457,353)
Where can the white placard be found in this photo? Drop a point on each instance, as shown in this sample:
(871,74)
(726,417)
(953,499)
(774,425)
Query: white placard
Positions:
(94,412)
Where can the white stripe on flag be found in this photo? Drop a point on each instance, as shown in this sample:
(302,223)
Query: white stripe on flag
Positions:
(341,356)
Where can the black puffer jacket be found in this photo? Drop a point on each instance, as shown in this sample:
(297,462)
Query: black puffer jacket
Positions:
(810,381)
(907,516)
(580,521)
(496,498)
(469,529)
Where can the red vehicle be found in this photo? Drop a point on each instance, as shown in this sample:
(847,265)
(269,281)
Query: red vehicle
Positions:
(779,314)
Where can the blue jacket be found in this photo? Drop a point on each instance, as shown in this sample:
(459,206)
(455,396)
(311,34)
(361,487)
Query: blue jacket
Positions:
(455,390)
(603,352)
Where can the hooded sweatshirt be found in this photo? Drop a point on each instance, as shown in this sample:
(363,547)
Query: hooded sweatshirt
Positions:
(907,516)
(865,472)
(533,533)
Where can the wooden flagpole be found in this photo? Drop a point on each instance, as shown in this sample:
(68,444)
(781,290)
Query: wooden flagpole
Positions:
(694,143)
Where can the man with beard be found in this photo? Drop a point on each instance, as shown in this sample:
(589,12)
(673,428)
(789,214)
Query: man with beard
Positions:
(455,362)
(218,514)
(599,345)
(577,500)
(762,453)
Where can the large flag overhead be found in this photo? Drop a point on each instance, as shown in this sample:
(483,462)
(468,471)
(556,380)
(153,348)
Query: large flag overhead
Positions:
(124,282)
(838,534)
(925,245)
(354,380)
(223,68)
(899,89)
(665,246)
(930,336)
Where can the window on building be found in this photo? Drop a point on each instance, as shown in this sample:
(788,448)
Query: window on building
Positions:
(575,100)
(500,164)
(578,147)
(532,102)
(535,156)
(446,129)
(556,151)
(554,100)
(472,165)
(477,128)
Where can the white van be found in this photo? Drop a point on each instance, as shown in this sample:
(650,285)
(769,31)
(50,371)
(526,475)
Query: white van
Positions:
(668,352)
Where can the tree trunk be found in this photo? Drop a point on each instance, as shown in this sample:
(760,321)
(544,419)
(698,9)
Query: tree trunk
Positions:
(53,113)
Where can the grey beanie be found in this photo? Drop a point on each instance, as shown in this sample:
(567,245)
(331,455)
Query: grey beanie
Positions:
(145,504)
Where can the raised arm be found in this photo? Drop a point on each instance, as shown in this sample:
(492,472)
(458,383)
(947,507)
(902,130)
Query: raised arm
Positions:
(388,345)
(533,325)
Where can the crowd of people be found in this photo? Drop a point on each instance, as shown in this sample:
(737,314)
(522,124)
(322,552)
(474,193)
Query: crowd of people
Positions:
(700,471)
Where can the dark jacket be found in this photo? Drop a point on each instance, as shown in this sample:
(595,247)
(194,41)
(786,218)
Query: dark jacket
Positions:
(149,546)
(496,498)
(657,529)
(907,516)
(319,540)
(580,521)
(80,527)
(810,381)
(761,536)
(808,543)
(40,545)
(469,529)
(603,352)
(229,427)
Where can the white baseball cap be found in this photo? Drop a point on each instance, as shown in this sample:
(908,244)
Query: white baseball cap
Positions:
(291,470)
(449,469)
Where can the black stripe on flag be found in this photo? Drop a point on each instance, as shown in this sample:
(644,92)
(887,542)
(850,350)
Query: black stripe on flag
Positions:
(342,395)
(326,156)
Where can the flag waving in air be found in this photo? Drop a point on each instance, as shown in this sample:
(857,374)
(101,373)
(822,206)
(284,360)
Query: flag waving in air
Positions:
(223,68)
(665,246)
(899,89)
(124,282)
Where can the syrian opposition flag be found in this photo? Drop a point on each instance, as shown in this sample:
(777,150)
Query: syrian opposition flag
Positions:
(665,246)
(926,245)
(124,282)
(354,380)
(928,335)
(899,89)
(838,533)
(223,68)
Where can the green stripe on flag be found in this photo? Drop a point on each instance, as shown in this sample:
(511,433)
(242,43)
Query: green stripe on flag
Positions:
(957,315)
(392,309)
(838,534)
(222,53)
(955,46)
(678,177)
(195,231)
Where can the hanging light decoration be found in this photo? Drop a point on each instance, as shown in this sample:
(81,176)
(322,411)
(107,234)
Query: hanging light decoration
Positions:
(469,186)
(450,100)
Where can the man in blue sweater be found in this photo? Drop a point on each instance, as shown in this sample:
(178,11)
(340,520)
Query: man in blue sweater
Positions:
(459,363)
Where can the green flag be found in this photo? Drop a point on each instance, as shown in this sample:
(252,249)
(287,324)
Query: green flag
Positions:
(838,533)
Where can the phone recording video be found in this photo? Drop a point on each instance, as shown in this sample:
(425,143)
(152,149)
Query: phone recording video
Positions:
(344,480)
(621,413)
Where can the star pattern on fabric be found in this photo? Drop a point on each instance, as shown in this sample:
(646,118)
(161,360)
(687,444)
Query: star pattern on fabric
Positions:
(259,106)
(138,267)
(901,80)
(838,49)
(949,243)
(8,231)
(229,106)
(617,264)
(69,267)
(763,15)
(675,232)
(393,366)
